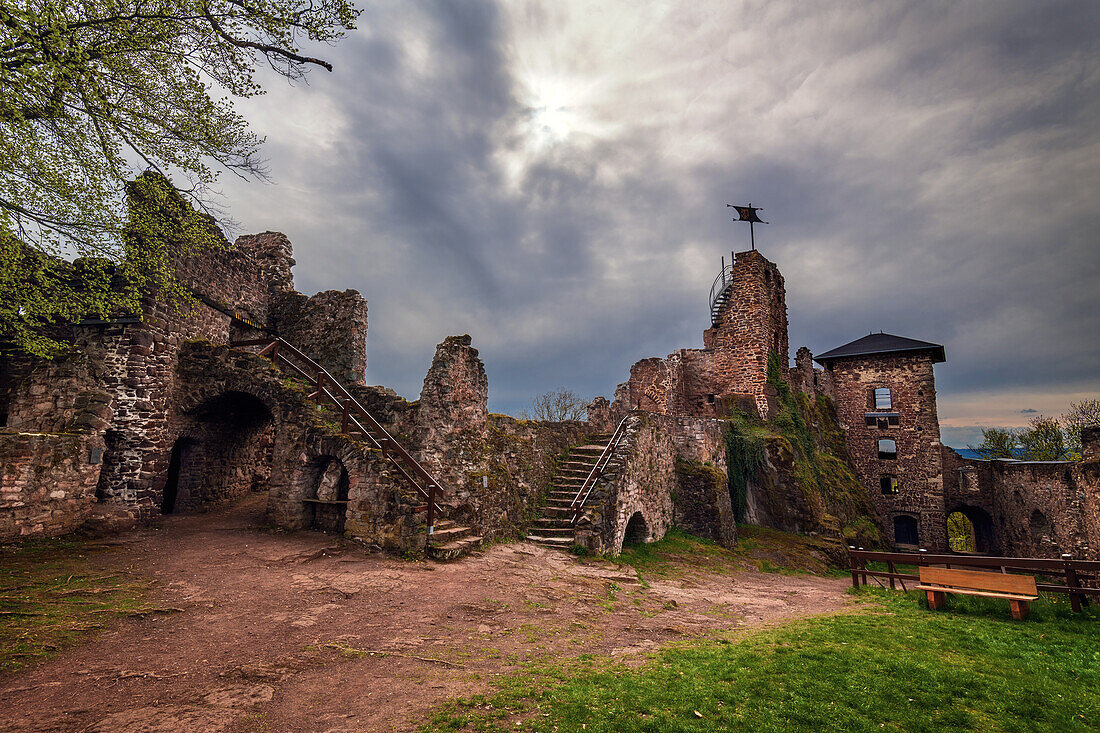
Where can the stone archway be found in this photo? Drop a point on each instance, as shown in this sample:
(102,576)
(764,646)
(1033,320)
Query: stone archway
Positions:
(223,451)
(970,530)
(636,530)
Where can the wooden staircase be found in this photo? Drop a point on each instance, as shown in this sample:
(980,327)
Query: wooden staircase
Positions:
(554,527)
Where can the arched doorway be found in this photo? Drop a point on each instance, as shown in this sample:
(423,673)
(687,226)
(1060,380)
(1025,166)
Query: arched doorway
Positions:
(905,531)
(970,530)
(637,531)
(328,500)
(223,452)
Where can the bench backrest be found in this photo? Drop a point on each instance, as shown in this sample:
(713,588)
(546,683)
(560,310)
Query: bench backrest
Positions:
(979,580)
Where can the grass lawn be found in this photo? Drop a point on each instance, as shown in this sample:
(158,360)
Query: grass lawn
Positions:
(49,600)
(890,665)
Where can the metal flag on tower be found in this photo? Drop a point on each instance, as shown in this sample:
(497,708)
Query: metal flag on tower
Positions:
(748,213)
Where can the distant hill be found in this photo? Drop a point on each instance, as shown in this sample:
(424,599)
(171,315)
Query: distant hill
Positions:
(970,453)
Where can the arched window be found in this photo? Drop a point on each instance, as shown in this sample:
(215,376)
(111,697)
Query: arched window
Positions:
(887,449)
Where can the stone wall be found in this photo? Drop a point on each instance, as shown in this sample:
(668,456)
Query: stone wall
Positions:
(1026,508)
(916,434)
(331,328)
(52,451)
(666,470)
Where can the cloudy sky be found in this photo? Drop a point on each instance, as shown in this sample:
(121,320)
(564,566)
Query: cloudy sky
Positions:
(551,177)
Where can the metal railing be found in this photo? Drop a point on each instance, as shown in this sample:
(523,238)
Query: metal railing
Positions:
(1080,576)
(577,505)
(354,418)
(721,283)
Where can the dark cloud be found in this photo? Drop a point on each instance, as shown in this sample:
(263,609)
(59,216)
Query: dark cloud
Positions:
(553,180)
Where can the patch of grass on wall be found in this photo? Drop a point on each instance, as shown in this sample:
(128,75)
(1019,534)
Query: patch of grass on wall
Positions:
(892,665)
(50,599)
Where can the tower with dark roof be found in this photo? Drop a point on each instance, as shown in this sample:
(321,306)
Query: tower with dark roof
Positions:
(885,392)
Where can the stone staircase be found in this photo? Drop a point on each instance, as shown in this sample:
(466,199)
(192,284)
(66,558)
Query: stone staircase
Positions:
(553,527)
(450,541)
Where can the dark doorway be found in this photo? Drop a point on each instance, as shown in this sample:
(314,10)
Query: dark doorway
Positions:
(905,531)
(636,530)
(225,455)
(172,483)
(970,529)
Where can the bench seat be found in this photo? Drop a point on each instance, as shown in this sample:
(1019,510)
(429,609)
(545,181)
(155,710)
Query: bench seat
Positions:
(982,593)
(1018,590)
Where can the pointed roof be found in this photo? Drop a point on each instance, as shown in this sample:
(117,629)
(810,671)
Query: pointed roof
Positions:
(882,343)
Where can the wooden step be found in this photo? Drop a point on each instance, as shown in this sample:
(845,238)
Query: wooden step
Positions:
(454,549)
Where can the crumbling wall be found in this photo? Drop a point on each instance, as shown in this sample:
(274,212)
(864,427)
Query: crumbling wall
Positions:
(52,451)
(331,328)
(731,370)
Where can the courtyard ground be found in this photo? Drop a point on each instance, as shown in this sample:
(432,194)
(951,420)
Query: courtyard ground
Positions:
(211,623)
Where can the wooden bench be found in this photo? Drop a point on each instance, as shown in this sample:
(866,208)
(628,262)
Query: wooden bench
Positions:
(1018,590)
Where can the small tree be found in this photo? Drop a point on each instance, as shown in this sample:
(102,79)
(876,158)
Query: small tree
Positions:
(997,443)
(557,406)
(1080,414)
(1043,440)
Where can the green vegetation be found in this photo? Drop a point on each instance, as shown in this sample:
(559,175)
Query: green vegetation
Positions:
(49,599)
(758,548)
(1045,438)
(744,455)
(891,665)
(95,93)
(806,443)
(960,533)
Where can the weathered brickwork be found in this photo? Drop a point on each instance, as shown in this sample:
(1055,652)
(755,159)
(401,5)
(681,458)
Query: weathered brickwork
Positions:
(666,470)
(732,368)
(1026,508)
(917,465)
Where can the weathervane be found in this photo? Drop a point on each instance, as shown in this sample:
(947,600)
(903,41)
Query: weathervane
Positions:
(748,213)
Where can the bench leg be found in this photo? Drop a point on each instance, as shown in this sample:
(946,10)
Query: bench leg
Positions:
(1020,609)
(936,599)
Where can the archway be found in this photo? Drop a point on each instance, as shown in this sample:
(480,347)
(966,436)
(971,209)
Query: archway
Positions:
(905,531)
(637,531)
(223,452)
(328,500)
(960,533)
(970,530)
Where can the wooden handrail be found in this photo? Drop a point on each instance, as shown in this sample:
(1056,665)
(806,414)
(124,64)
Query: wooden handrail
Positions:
(1075,572)
(577,505)
(353,415)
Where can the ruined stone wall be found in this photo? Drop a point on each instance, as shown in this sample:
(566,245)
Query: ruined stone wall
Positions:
(669,470)
(331,328)
(917,466)
(752,324)
(732,368)
(1026,508)
(52,451)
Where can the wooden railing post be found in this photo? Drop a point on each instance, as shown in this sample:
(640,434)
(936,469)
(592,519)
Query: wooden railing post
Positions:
(852,566)
(1075,599)
(862,566)
(890,567)
(431,512)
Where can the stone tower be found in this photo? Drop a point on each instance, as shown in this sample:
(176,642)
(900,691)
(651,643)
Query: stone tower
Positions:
(885,392)
(748,321)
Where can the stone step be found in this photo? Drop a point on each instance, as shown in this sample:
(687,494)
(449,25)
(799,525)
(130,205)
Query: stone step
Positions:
(553,541)
(453,550)
(553,522)
(443,534)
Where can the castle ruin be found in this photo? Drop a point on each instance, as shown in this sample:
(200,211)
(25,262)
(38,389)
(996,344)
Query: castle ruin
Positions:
(160,412)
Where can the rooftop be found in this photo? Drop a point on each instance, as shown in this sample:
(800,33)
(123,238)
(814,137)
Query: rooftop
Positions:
(882,343)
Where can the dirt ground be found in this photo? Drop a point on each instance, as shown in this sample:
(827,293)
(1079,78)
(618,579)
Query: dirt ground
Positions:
(275,632)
